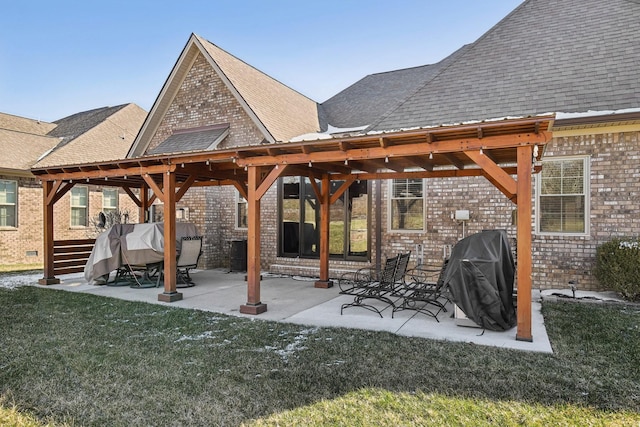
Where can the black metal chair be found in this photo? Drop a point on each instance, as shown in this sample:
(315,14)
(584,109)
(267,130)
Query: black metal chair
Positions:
(366,284)
(425,291)
(139,276)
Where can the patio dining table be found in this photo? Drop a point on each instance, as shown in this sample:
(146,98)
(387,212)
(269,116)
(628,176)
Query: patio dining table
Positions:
(131,244)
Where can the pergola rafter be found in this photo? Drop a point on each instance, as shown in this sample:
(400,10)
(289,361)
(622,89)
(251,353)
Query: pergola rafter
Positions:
(497,150)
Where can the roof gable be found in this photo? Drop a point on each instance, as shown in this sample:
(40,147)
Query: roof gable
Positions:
(276,110)
(540,58)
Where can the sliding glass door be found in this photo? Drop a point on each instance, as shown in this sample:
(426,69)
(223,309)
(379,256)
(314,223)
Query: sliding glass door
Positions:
(300,219)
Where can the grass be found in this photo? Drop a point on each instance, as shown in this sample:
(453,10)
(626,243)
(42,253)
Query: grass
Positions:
(18,268)
(77,359)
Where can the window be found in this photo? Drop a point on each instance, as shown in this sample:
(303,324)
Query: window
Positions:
(79,206)
(562,190)
(110,201)
(8,198)
(241,211)
(299,215)
(156,212)
(407,205)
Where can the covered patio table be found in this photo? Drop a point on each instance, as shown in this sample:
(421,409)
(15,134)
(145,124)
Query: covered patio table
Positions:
(131,244)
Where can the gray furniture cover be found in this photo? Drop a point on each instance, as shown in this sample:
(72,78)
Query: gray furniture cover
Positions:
(133,244)
(480,275)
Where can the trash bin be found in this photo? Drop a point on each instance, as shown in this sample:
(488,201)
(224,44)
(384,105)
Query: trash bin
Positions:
(238,255)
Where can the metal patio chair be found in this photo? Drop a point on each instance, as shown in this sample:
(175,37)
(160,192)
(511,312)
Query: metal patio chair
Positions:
(424,292)
(366,284)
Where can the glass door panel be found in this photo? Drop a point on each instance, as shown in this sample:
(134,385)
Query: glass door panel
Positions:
(309,227)
(336,227)
(358,220)
(290,241)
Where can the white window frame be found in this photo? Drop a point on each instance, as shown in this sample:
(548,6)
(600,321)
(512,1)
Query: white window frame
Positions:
(586,190)
(240,200)
(390,184)
(14,204)
(85,207)
(106,209)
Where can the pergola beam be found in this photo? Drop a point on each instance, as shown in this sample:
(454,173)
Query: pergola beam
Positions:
(404,150)
(102,172)
(498,177)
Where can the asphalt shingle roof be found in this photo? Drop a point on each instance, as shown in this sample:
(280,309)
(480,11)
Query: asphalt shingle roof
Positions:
(73,126)
(98,135)
(21,150)
(22,124)
(284,112)
(546,56)
(371,97)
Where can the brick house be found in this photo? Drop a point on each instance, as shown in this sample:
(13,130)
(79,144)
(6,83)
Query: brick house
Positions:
(539,60)
(96,135)
(524,66)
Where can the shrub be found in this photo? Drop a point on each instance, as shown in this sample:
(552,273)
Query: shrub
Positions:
(618,266)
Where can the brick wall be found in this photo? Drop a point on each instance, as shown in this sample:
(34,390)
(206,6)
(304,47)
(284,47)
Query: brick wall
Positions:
(615,190)
(488,208)
(20,245)
(27,237)
(203,99)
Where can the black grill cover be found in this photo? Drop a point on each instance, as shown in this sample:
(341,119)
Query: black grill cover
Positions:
(480,276)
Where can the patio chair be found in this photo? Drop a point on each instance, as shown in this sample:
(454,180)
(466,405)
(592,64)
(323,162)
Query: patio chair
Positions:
(191,249)
(425,289)
(139,276)
(365,284)
(401,270)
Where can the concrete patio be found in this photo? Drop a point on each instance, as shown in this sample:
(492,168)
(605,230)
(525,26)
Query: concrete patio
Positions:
(296,300)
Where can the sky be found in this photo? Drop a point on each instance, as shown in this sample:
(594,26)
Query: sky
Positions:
(61,57)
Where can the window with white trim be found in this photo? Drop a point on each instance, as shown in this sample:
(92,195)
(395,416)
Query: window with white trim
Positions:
(241,211)
(562,196)
(110,201)
(406,212)
(8,203)
(79,206)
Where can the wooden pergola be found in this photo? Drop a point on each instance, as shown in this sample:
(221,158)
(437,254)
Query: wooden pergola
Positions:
(497,150)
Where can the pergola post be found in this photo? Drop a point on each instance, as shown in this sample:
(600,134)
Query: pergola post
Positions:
(169,191)
(47,205)
(525,159)
(253,305)
(325,205)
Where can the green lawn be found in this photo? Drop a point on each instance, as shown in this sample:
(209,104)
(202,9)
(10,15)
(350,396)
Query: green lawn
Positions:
(76,359)
(18,268)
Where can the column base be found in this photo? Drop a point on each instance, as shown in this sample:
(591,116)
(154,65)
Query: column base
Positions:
(527,339)
(169,296)
(323,284)
(48,281)
(253,308)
